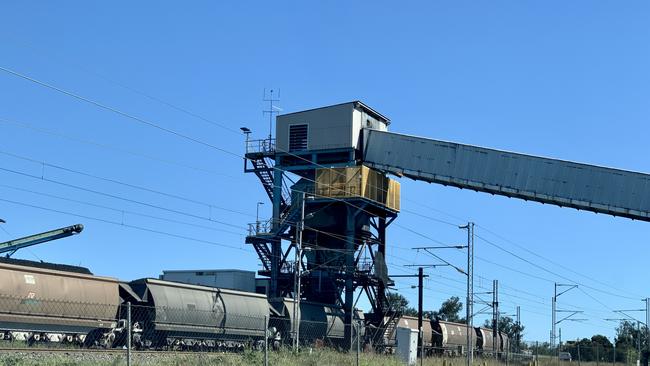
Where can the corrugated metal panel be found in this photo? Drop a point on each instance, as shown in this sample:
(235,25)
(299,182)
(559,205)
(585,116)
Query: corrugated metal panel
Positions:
(564,183)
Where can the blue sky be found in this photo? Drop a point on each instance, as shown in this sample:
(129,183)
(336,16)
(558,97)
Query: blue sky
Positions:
(559,79)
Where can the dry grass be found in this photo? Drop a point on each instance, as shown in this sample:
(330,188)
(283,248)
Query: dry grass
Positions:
(320,357)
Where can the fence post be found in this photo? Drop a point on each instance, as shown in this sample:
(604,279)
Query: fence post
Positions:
(597,355)
(358,341)
(128,333)
(266,340)
(579,360)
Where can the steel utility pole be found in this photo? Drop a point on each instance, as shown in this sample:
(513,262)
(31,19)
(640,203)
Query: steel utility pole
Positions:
(647,324)
(495,316)
(420,277)
(518,327)
(555,322)
(470,279)
(420,299)
(638,326)
(470,290)
(296,281)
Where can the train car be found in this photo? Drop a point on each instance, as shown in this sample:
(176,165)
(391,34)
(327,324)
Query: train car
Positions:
(412,323)
(39,303)
(175,315)
(449,339)
(319,323)
(486,342)
(505,344)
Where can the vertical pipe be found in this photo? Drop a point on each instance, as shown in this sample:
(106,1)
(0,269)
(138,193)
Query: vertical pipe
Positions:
(128,333)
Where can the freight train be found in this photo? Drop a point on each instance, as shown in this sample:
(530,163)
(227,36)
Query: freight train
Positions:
(450,339)
(42,302)
(58,303)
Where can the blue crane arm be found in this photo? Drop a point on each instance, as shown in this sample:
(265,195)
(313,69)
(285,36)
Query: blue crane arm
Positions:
(12,246)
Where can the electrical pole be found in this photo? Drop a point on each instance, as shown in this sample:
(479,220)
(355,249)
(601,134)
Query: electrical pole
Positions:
(638,325)
(495,316)
(555,310)
(296,281)
(553,320)
(420,298)
(420,277)
(647,324)
(470,290)
(470,280)
(518,328)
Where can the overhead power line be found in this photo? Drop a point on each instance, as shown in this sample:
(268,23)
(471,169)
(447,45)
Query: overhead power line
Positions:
(119,210)
(119,197)
(141,228)
(69,137)
(549,271)
(130,185)
(555,263)
(117,111)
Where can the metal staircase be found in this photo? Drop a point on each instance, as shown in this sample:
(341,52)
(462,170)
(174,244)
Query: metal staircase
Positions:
(264,254)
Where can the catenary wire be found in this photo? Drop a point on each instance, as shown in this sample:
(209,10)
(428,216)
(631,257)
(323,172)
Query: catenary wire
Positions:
(130,185)
(59,134)
(119,210)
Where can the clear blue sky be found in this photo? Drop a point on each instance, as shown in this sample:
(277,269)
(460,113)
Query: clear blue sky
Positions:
(560,79)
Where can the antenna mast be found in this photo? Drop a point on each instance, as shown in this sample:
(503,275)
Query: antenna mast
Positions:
(271,97)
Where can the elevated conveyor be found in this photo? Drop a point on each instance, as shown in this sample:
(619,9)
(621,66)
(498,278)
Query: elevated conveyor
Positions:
(563,183)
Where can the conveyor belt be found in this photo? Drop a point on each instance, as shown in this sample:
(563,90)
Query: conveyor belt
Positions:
(563,183)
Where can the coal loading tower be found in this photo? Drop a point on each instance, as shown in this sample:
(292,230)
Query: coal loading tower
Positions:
(326,240)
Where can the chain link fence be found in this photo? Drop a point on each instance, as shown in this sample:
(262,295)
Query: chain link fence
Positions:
(131,330)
